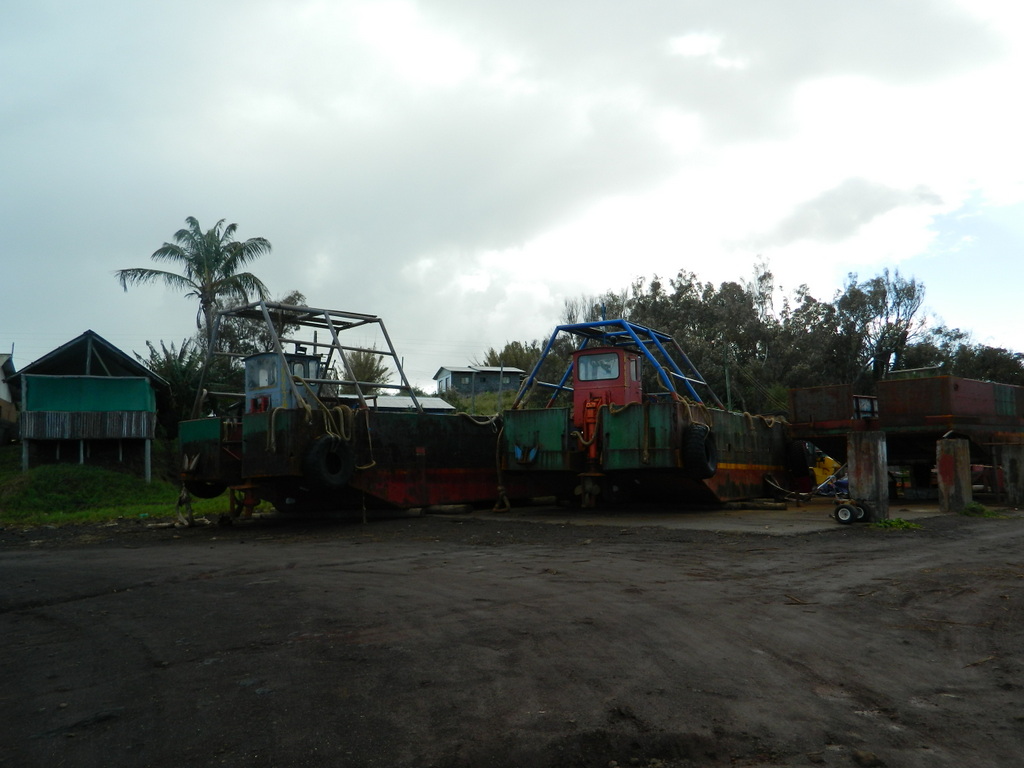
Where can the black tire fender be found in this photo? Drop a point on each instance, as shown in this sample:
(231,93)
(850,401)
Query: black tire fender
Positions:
(700,453)
(329,462)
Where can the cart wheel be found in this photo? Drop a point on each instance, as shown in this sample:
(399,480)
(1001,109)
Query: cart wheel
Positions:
(845,514)
(860,514)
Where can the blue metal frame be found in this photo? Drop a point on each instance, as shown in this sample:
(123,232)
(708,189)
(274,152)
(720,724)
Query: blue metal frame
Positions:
(636,338)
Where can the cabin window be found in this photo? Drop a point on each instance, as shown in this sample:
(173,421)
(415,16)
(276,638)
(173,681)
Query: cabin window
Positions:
(598,367)
(298,369)
(261,373)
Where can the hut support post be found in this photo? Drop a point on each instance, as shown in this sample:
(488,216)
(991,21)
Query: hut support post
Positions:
(869,473)
(1012,464)
(953,468)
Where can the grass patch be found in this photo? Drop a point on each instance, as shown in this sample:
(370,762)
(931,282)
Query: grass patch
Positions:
(896,524)
(56,494)
(977,509)
(484,404)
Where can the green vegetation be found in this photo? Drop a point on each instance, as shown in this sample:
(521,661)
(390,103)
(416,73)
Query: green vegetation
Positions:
(367,365)
(977,509)
(482,404)
(210,264)
(58,494)
(896,524)
(751,341)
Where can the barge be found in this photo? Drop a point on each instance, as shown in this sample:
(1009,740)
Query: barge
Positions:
(631,417)
(312,437)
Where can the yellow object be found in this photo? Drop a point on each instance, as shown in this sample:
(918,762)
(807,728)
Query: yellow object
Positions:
(824,466)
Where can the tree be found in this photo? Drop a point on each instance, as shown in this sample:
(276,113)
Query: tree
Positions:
(515,354)
(588,309)
(367,366)
(990,364)
(181,368)
(805,346)
(750,354)
(952,352)
(210,264)
(877,320)
(245,336)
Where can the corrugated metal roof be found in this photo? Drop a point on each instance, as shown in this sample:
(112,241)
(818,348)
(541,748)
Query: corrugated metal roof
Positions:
(496,369)
(404,403)
(477,369)
(89,354)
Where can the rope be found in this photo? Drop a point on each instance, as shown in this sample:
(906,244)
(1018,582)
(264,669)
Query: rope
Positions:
(787,494)
(584,443)
(344,414)
(487,421)
(342,428)
(272,430)
(369,442)
(702,409)
(771,421)
(502,504)
(597,429)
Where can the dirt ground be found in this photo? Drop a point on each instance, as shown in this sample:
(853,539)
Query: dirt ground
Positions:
(537,639)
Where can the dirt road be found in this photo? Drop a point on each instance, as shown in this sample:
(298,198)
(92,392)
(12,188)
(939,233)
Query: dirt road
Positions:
(466,642)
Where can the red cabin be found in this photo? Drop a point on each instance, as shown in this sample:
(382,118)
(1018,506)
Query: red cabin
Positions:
(604,376)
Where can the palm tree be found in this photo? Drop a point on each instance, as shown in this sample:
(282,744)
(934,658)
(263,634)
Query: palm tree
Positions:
(209,263)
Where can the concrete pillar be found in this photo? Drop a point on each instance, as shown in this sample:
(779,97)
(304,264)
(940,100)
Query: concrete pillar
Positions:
(1011,461)
(953,467)
(868,470)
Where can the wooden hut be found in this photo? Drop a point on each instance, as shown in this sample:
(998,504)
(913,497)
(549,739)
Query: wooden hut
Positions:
(90,403)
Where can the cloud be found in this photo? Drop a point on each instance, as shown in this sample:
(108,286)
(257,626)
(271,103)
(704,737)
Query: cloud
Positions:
(465,166)
(842,212)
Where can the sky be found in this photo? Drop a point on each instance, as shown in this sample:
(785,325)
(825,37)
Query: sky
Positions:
(462,167)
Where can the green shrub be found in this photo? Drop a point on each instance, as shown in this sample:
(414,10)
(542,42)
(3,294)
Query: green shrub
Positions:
(484,404)
(977,509)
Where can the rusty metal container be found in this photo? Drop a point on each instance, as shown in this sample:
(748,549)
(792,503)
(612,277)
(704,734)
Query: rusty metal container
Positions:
(949,400)
(821,404)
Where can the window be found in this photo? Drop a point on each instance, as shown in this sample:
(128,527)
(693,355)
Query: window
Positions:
(261,372)
(599,367)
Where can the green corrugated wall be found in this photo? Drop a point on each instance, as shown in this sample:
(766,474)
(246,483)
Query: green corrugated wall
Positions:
(88,394)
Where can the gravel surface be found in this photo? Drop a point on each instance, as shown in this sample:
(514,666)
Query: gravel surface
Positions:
(485,640)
